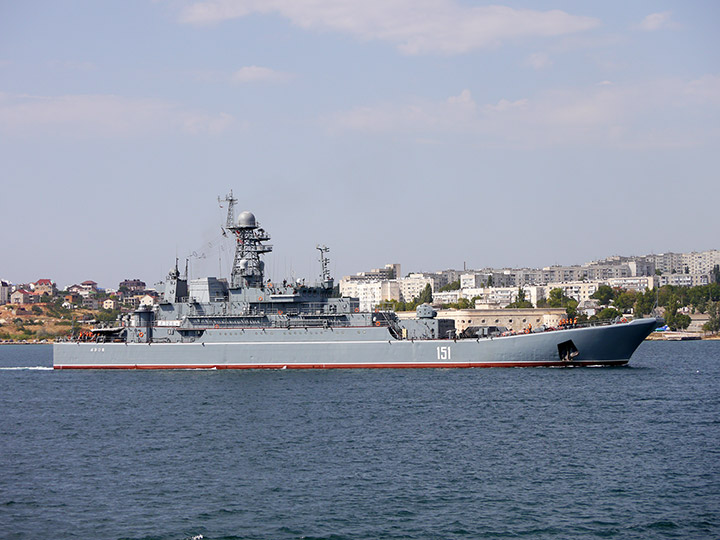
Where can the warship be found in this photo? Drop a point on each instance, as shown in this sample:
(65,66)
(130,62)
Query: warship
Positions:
(250,322)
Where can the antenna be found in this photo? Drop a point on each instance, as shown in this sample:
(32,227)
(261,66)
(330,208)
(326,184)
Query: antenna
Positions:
(325,275)
(230,200)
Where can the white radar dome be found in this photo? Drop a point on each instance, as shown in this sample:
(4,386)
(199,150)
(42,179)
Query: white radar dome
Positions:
(246,220)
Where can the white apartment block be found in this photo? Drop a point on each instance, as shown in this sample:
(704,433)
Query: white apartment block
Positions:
(370,293)
(445,277)
(684,280)
(635,283)
(389,271)
(447,297)
(413,285)
(501,296)
(667,262)
(579,290)
(700,263)
(473,280)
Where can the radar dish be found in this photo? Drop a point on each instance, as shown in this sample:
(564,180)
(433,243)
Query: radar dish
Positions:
(246,220)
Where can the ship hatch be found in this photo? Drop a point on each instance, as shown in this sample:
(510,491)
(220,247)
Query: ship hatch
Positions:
(567,351)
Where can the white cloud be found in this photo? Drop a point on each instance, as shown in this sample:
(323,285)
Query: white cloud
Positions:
(415,26)
(539,61)
(656,114)
(657,21)
(101,115)
(253,74)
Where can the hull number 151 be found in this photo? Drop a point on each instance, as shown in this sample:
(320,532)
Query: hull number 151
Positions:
(443,353)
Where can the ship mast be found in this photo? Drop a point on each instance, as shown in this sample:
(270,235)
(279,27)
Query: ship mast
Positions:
(327,281)
(230,200)
(248,269)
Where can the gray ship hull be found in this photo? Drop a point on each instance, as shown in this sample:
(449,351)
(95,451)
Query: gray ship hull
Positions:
(369,347)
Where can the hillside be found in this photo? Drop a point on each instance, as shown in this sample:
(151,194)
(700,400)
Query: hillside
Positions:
(40,322)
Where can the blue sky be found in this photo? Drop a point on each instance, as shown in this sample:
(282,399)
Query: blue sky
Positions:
(433,133)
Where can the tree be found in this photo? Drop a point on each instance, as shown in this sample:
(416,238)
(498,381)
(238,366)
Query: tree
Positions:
(454,286)
(604,294)
(681,321)
(425,296)
(625,300)
(713,324)
(520,302)
(558,299)
(644,303)
(716,273)
(608,313)
(555,298)
(108,315)
(675,320)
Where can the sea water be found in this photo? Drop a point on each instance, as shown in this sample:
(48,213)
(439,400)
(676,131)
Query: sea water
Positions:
(581,453)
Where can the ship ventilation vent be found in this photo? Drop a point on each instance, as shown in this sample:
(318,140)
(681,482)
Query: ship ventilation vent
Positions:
(567,351)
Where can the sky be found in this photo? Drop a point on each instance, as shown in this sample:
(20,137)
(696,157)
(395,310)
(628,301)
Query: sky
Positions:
(431,133)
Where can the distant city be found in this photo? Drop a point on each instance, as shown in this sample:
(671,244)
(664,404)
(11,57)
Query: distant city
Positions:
(493,288)
(487,288)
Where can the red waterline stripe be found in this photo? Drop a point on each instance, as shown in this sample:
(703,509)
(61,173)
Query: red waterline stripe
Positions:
(356,366)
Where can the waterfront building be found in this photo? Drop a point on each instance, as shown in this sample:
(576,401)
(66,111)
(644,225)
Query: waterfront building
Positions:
(516,320)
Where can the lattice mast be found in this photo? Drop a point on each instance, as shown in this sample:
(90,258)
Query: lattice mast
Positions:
(247,270)
(230,200)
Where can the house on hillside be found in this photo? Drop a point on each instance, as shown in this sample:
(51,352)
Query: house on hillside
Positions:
(132,285)
(45,286)
(90,303)
(72,298)
(21,296)
(85,289)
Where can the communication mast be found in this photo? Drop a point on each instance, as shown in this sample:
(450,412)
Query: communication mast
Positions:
(327,281)
(230,200)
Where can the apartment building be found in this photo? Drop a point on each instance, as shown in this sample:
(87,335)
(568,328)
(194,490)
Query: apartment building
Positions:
(700,263)
(4,292)
(684,280)
(414,284)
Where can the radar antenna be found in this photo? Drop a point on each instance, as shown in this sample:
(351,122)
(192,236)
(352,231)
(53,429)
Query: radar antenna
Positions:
(325,275)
